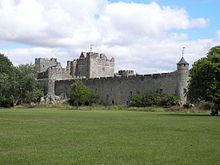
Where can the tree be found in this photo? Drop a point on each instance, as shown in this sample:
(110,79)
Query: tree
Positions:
(28,89)
(6,66)
(7,82)
(82,95)
(17,84)
(205,80)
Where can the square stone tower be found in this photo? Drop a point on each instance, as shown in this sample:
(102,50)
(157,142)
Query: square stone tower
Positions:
(92,65)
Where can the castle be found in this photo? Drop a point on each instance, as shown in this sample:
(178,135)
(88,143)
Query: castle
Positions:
(97,72)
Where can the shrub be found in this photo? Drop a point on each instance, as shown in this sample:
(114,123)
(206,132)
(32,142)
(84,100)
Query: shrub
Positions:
(204,105)
(82,95)
(154,99)
(168,100)
(138,101)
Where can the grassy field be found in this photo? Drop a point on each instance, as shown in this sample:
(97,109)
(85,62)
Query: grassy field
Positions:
(53,136)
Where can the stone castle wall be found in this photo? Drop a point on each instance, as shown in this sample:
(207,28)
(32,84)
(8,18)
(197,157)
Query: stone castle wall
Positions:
(126,73)
(44,85)
(55,74)
(58,73)
(97,72)
(119,90)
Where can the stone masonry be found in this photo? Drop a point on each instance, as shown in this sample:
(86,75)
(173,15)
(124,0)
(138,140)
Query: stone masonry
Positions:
(97,72)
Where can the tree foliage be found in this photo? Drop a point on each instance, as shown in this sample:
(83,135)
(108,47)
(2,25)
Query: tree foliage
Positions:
(17,84)
(6,66)
(82,95)
(205,79)
(7,82)
(28,89)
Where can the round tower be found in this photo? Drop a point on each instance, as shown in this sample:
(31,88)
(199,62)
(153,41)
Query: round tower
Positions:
(182,80)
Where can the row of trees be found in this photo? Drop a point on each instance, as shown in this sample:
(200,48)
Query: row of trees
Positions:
(18,85)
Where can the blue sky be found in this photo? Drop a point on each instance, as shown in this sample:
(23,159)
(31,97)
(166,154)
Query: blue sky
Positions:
(143,35)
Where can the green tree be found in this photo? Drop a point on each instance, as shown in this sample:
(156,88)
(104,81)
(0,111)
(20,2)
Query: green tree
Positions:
(17,84)
(6,66)
(7,82)
(205,80)
(28,89)
(82,95)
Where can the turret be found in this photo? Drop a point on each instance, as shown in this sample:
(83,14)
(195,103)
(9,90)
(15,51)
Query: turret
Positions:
(182,79)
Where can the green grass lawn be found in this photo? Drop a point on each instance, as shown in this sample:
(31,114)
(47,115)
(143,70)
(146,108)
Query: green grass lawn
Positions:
(53,136)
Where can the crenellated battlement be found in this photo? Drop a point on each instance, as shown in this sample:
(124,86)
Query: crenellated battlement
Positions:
(141,77)
(97,72)
(94,55)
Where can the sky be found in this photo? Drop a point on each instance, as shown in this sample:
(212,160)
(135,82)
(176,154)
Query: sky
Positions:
(143,35)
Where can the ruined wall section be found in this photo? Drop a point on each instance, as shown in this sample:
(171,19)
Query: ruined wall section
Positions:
(91,65)
(42,64)
(119,90)
(72,66)
(44,85)
(42,75)
(47,79)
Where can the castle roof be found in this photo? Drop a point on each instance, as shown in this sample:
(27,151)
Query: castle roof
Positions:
(183,61)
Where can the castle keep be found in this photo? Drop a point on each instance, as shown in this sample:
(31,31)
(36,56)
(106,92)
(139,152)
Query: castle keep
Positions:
(97,72)
(89,65)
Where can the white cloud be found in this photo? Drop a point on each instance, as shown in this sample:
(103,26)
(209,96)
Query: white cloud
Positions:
(199,22)
(139,36)
(159,56)
(27,55)
(20,20)
(148,19)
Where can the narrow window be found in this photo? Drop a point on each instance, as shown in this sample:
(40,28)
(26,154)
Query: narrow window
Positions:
(130,93)
(107,97)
